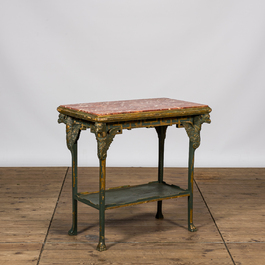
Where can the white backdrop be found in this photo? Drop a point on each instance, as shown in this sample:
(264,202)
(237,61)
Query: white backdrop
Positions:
(60,51)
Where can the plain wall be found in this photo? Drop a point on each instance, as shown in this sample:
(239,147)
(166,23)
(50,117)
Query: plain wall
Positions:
(60,52)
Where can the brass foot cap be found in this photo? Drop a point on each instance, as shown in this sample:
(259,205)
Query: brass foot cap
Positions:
(101,247)
(192,228)
(72,232)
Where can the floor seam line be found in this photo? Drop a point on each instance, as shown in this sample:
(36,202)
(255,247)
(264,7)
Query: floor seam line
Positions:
(214,222)
(48,230)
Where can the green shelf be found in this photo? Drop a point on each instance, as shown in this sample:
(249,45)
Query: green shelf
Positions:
(130,195)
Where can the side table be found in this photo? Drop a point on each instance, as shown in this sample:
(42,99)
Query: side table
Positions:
(105,120)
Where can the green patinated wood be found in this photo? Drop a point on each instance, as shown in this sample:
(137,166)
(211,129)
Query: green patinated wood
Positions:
(72,136)
(150,123)
(193,128)
(128,125)
(131,195)
(191,226)
(105,128)
(72,130)
(73,230)
(102,185)
(161,131)
(104,138)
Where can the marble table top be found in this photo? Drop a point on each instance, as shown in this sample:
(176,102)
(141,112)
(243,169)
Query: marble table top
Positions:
(133,109)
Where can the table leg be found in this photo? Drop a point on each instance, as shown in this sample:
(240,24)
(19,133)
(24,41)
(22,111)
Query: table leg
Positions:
(161,131)
(104,138)
(191,226)
(73,230)
(102,182)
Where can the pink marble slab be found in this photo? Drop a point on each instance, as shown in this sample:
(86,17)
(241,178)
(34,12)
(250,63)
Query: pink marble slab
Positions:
(132,106)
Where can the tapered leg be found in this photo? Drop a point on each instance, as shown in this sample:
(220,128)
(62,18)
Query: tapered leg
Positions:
(102,180)
(161,131)
(159,214)
(73,230)
(191,226)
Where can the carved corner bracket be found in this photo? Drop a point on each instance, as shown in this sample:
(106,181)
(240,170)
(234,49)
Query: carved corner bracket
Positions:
(193,129)
(72,130)
(104,137)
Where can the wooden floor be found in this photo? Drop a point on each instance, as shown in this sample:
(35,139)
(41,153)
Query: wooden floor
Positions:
(229,212)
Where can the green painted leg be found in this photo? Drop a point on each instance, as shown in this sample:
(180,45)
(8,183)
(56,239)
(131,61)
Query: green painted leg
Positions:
(159,214)
(191,226)
(73,230)
(101,245)
(161,131)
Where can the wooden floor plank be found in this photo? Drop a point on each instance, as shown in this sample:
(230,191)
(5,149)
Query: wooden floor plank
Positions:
(235,206)
(248,253)
(133,236)
(19,253)
(137,253)
(27,200)
(230,176)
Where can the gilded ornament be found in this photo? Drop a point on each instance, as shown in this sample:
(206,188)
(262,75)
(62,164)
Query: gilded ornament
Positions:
(104,138)
(193,129)
(72,130)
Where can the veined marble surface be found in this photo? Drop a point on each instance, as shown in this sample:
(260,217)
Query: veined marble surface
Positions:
(132,106)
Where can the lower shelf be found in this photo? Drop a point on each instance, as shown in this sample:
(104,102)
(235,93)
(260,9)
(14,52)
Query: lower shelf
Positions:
(130,195)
